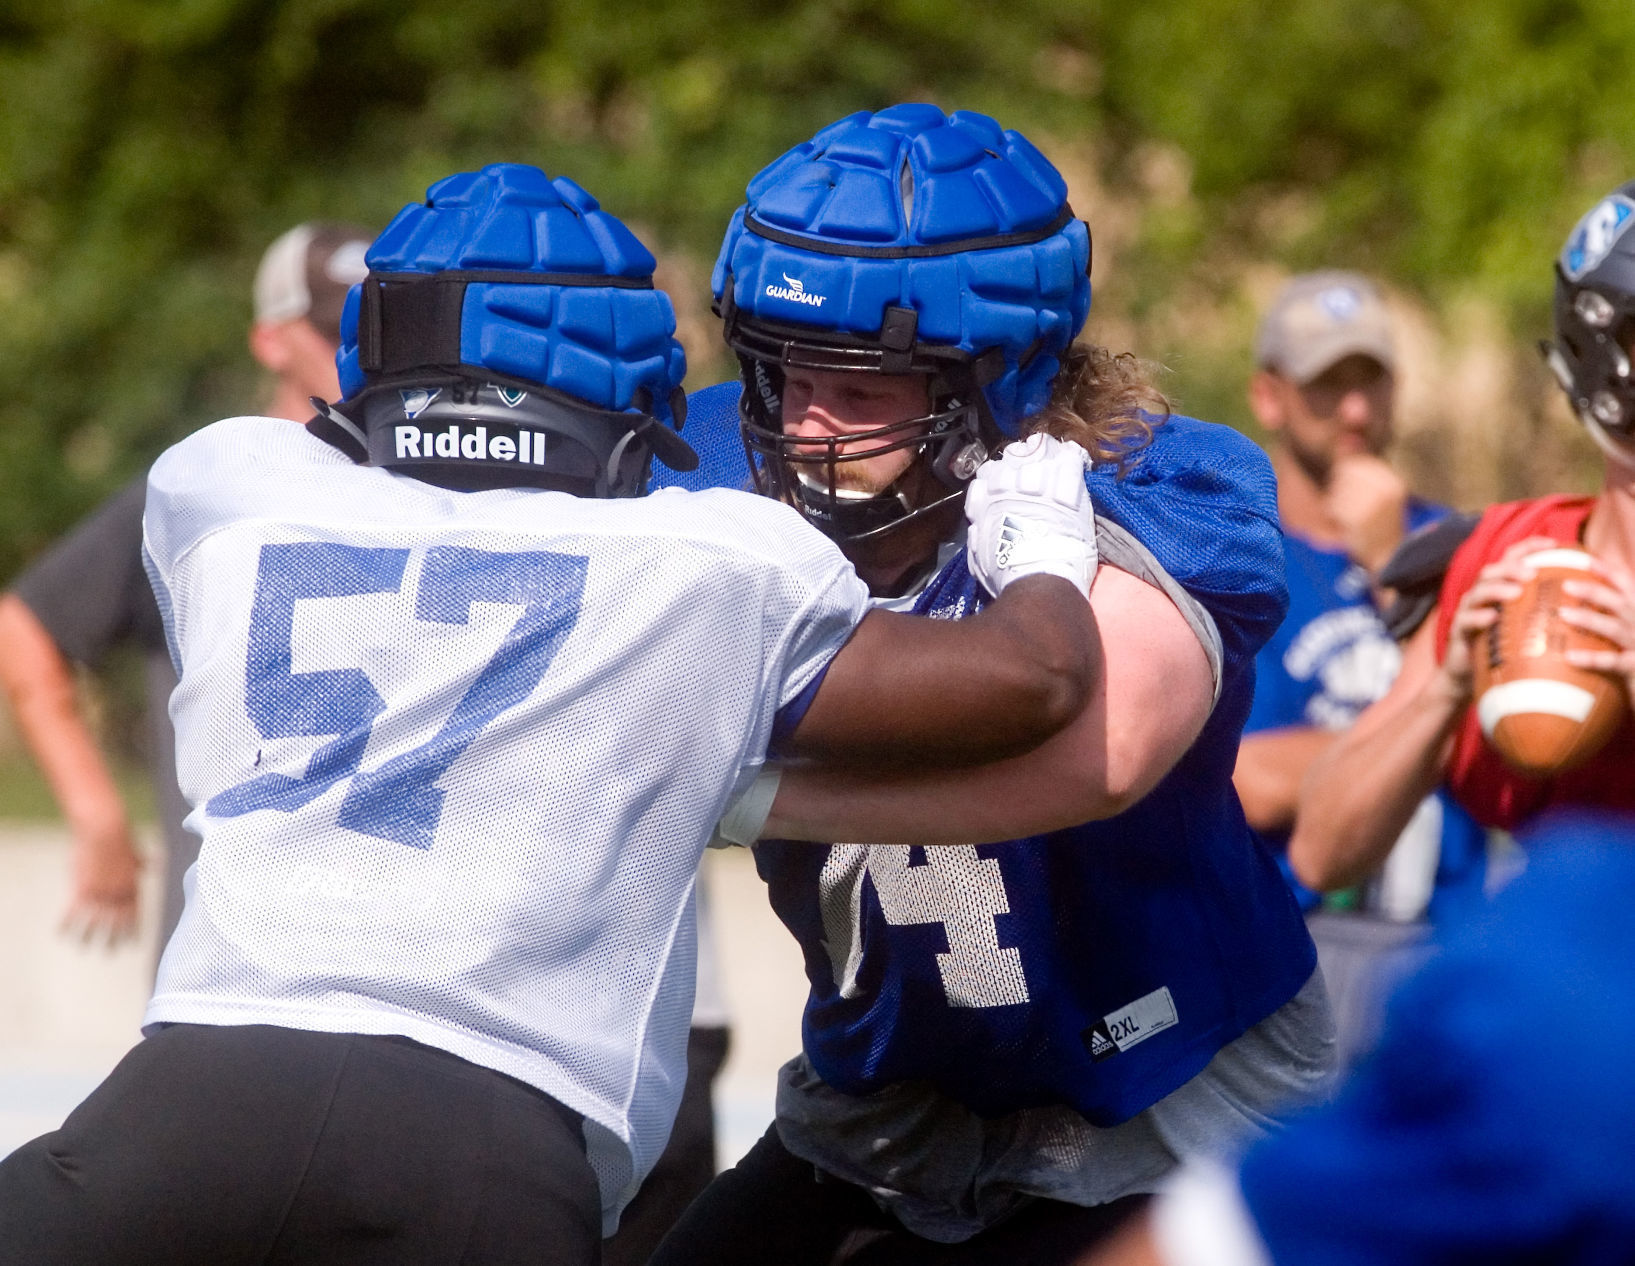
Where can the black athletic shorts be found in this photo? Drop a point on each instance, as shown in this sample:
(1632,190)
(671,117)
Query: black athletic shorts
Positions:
(687,1164)
(773,1209)
(241,1145)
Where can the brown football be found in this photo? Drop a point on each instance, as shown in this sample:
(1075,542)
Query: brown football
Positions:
(1540,713)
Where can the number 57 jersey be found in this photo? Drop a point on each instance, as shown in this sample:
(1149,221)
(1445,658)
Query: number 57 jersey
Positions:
(454,756)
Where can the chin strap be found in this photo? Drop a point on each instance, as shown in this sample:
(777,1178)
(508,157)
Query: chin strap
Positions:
(325,424)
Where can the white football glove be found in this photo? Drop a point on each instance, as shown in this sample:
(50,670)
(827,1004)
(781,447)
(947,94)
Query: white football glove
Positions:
(1030,514)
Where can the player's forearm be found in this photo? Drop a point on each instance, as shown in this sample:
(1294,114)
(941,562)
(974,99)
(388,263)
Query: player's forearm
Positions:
(1152,696)
(1033,660)
(1062,783)
(40,686)
(1360,794)
(968,806)
(911,691)
(1271,766)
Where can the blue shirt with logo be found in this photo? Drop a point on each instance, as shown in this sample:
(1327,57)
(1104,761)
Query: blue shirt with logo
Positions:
(1332,658)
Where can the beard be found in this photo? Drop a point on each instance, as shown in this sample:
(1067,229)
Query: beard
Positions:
(854,480)
(1318,464)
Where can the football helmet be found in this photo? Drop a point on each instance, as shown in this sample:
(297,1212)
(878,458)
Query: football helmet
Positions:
(902,242)
(508,333)
(1595,316)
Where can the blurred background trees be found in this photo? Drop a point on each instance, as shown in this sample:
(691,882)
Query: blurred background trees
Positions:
(149,149)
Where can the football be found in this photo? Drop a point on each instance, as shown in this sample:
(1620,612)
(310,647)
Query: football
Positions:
(1541,714)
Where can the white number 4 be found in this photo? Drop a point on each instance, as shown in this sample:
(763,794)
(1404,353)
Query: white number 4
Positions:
(956,888)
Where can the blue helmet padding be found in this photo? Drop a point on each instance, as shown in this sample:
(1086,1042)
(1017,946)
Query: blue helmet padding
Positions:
(713,432)
(913,208)
(600,344)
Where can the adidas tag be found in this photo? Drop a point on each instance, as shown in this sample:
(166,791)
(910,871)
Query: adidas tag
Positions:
(1098,1043)
(1130,1025)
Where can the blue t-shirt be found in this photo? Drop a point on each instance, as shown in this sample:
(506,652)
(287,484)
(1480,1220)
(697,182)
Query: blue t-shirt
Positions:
(1332,658)
(1099,967)
(1495,1121)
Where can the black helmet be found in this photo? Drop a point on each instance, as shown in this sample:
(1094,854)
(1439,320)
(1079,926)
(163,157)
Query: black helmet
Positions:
(1595,315)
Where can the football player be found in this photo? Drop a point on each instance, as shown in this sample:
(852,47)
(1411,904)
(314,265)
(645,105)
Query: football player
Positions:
(1359,795)
(1005,1047)
(457,711)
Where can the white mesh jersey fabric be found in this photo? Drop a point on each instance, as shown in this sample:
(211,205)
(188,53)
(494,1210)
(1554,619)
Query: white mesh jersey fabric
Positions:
(454,756)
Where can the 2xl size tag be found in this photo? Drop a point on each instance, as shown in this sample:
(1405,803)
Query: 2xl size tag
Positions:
(1129,1025)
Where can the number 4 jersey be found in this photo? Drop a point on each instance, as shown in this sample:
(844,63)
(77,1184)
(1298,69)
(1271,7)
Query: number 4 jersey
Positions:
(1102,966)
(454,756)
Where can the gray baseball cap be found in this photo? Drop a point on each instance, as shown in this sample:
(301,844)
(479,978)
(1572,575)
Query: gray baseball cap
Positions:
(1318,319)
(307,272)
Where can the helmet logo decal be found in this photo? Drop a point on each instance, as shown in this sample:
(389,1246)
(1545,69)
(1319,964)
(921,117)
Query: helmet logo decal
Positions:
(416,400)
(510,397)
(1597,233)
(795,292)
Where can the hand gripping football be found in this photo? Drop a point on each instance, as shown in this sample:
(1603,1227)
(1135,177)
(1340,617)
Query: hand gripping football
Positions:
(1541,714)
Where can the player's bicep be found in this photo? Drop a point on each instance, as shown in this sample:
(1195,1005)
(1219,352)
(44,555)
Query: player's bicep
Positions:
(1150,701)
(1158,686)
(1154,695)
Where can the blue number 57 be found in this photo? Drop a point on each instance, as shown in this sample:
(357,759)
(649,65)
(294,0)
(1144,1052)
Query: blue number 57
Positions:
(399,801)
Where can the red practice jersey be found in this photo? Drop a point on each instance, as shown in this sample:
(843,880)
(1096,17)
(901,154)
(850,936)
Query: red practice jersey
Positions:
(1495,794)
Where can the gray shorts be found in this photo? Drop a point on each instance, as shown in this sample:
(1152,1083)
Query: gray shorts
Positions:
(1363,957)
(947,1173)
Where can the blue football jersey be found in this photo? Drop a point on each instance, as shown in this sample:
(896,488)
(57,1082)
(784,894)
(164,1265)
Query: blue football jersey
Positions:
(1102,966)
(712,430)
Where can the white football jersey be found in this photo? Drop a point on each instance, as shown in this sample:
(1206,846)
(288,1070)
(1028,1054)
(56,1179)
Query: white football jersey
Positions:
(454,756)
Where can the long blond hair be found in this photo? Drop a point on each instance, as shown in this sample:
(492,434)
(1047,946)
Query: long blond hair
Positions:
(1103,402)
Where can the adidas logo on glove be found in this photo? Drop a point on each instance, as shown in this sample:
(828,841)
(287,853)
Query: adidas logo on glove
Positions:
(1030,514)
(1019,540)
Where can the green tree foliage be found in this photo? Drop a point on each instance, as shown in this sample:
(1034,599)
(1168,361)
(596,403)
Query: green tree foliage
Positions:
(150,148)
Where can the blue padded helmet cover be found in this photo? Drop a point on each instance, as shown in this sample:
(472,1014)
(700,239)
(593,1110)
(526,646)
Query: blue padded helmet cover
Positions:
(911,207)
(600,344)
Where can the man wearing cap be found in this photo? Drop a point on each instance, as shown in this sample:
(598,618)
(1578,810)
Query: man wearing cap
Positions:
(1324,391)
(88,595)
